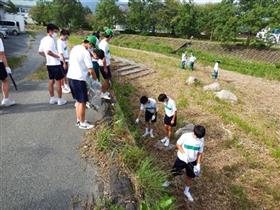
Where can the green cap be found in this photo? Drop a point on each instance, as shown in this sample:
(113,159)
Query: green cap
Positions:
(108,32)
(92,39)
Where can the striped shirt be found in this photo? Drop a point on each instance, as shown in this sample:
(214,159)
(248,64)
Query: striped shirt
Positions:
(191,146)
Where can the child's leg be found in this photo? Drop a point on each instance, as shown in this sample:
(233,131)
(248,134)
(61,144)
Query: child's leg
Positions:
(166,129)
(169,131)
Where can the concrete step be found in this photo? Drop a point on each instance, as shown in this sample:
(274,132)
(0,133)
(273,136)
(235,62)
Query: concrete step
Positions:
(127,68)
(134,71)
(139,75)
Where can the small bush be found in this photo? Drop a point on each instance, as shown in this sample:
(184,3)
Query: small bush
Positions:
(150,179)
(104,139)
(132,156)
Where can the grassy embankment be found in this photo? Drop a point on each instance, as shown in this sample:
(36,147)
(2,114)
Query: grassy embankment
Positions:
(234,161)
(16,61)
(164,46)
(120,141)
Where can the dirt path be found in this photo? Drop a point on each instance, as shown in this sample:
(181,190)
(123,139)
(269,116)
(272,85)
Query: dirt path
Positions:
(234,174)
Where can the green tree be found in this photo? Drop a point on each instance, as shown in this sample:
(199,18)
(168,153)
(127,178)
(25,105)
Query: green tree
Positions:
(10,7)
(137,15)
(41,12)
(108,13)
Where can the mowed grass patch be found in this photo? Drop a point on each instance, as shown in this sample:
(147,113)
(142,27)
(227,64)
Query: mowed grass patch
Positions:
(161,45)
(248,140)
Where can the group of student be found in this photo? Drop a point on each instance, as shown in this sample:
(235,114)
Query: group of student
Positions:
(190,145)
(191,60)
(70,70)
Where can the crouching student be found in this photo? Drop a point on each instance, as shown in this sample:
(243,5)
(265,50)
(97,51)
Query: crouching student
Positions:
(149,107)
(189,157)
(192,60)
(170,117)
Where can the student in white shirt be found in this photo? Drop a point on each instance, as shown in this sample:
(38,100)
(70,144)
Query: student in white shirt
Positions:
(215,72)
(189,156)
(80,65)
(184,60)
(48,50)
(105,63)
(192,60)
(170,117)
(62,49)
(149,107)
(4,71)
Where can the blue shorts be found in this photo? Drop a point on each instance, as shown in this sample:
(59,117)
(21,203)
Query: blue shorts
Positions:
(55,72)
(78,90)
(215,75)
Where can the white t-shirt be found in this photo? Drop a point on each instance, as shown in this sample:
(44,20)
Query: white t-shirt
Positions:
(184,57)
(1,48)
(151,106)
(216,67)
(48,44)
(79,63)
(62,49)
(191,146)
(170,107)
(103,45)
(192,59)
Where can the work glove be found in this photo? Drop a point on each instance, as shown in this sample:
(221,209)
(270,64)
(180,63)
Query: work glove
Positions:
(153,117)
(137,121)
(196,169)
(8,70)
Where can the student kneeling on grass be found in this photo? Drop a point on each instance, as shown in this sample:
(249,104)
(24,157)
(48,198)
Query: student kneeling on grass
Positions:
(149,106)
(170,117)
(189,156)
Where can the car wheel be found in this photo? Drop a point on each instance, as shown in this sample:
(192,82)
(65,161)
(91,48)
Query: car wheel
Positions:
(15,33)
(2,36)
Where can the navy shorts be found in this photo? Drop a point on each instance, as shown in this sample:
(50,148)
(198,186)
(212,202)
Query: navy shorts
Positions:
(149,115)
(55,72)
(179,165)
(167,121)
(65,71)
(3,72)
(78,90)
(106,75)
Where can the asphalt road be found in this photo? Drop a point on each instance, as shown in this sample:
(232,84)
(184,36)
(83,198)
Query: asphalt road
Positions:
(17,45)
(40,161)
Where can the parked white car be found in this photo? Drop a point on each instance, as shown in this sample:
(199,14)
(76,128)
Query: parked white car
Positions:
(269,35)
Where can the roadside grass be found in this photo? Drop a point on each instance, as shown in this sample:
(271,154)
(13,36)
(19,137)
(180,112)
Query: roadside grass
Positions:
(16,61)
(40,74)
(118,140)
(161,45)
(245,129)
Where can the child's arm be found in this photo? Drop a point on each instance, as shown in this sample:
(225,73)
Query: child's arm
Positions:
(174,117)
(180,148)
(199,158)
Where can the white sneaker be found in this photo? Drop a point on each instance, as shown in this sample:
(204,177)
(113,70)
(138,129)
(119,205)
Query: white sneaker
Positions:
(152,135)
(188,195)
(88,105)
(166,183)
(53,100)
(86,126)
(61,101)
(105,95)
(166,144)
(65,90)
(163,140)
(145,134)
(66,86)
(8,102)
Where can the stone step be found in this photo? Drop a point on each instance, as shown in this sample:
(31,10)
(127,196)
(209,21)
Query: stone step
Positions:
(134,71)
(127,68)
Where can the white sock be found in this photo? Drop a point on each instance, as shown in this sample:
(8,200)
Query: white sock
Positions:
(187,188)
(147,130)
(151,130)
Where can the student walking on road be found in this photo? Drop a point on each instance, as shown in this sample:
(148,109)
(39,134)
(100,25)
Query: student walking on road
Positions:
(80,65)
(4,71)
(48,50)
(64,57)
(105,63)
(149,107)
(189,156)
(170,117)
